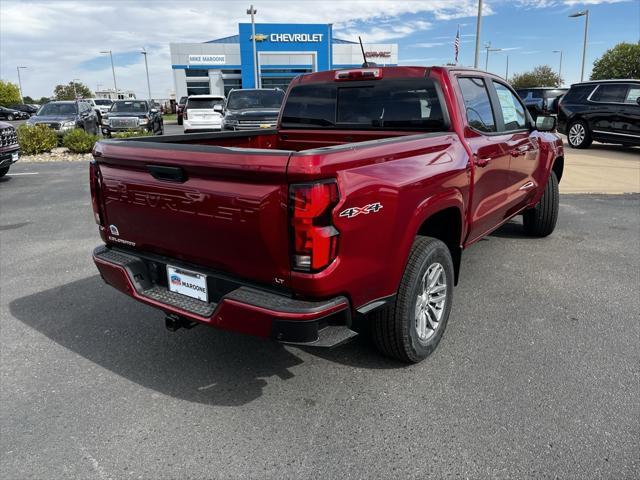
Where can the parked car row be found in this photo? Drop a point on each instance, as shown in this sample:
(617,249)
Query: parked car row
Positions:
(245,109)
(11,114)
(100,115)
(606,111)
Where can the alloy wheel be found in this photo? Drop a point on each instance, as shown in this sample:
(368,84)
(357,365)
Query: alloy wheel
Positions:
(431,302)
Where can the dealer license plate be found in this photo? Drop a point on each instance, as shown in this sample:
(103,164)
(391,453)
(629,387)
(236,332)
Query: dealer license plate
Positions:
(186,282)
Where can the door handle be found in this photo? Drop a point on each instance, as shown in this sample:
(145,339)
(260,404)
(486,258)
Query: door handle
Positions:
(516,152)
(482,161)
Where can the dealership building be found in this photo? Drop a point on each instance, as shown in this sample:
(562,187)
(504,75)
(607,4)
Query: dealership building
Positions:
(283,51)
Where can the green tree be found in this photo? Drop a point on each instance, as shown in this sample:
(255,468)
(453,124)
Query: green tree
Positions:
(9,93)
(68,92)
(621,61)
(541,76)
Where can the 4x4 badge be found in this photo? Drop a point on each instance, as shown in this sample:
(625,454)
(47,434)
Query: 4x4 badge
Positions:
(366,210)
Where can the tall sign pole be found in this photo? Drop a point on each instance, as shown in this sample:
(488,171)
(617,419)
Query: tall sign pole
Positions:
(478,25)
(252,11)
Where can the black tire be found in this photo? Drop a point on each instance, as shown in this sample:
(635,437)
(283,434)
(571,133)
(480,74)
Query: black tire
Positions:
(10,117)
(4,171)
(540,221)
(579,135)
(394,328)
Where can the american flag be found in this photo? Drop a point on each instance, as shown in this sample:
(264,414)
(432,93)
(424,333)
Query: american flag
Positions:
(456,45)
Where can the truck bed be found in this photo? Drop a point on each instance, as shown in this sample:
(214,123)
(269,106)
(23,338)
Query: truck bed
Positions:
(221,200)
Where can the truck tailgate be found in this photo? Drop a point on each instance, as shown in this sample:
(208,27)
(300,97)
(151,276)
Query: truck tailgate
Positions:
(222,208)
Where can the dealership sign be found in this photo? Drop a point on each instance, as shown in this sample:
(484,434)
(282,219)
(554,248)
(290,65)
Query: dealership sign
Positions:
(377,54)
(207,60)
(290,37)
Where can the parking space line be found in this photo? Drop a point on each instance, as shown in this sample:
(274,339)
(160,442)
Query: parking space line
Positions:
(22,173)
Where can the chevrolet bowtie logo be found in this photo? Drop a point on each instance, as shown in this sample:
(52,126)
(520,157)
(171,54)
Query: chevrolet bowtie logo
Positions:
(260,37)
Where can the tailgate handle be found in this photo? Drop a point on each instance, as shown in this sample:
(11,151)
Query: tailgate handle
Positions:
(167,174)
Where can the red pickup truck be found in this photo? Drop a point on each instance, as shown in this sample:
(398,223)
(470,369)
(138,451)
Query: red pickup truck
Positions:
(352,213)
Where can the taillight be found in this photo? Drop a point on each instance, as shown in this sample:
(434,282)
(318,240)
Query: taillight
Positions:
(359,74)
(94,187)
(315,239)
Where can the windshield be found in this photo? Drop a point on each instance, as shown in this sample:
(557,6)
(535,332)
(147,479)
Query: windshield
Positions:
(55,109)
(203,103)
(410,104)
(241,99)
(129,106)
(105,101)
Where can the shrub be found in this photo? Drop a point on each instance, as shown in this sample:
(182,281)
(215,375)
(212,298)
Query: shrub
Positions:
(131,133)
(34,139)
(79,141)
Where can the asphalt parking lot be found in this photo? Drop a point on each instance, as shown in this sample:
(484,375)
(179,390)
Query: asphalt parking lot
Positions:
(538,374)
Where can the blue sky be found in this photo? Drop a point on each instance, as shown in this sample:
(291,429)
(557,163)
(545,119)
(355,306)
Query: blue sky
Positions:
(509,28)
(60,40)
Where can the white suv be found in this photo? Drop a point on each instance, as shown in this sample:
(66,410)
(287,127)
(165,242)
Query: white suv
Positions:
(203,112)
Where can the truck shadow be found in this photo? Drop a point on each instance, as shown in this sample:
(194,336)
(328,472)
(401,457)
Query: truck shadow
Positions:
(128,338)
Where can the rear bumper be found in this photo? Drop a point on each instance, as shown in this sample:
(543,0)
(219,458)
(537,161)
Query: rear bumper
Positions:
(243,309)
(202,124)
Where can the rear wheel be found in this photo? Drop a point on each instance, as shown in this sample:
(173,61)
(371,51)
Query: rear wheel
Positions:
(579,135)
(540,221)
(411,328)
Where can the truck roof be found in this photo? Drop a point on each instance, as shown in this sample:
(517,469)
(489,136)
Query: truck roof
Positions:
(389,72)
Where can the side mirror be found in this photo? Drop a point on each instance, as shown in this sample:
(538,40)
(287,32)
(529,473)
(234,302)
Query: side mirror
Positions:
(217,108)
(545,124)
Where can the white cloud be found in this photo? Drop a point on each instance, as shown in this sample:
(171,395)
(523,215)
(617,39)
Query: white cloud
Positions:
(428,44)
(55,38)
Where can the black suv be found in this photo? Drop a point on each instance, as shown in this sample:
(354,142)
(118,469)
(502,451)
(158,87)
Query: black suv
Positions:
(251,109)
(541,100)
(607,111)
(63,116)
(126,115)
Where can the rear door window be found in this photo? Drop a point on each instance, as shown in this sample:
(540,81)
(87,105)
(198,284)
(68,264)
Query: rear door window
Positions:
(578,94)
(633,94)
(477,104)
(613,93)
(406,104)
(513,113)
(203,103)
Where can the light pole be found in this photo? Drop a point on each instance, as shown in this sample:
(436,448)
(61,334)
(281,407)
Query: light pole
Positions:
(560,67)
(20,83)
(252,11)
(489,49)
(583,13)
(113,70)
(75,93)
(478,25)
(506,75)
(146,66)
